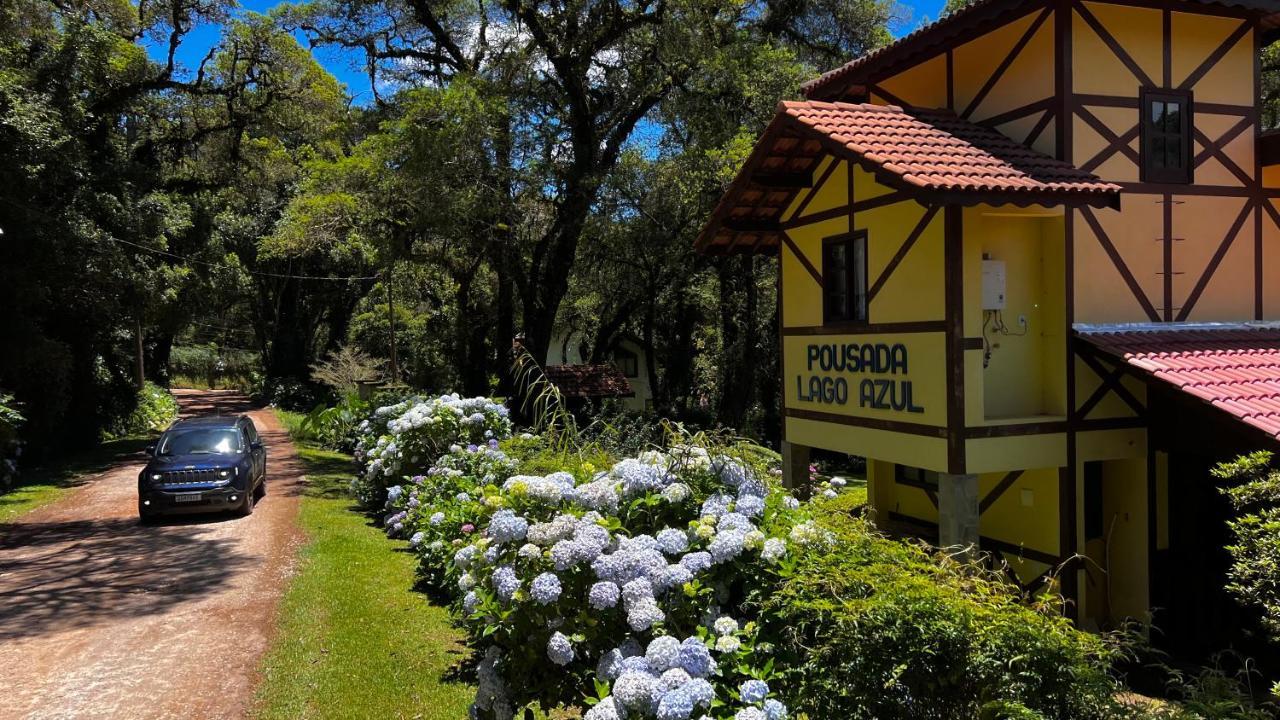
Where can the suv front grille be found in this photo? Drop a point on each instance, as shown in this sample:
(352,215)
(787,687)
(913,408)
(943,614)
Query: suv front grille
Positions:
(189,477)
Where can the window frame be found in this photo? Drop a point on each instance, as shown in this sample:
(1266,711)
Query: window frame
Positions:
(622,357)
(1149,173)
(912,476)
(859,307)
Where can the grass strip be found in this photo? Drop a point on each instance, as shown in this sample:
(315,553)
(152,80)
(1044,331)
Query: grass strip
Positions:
(354,640)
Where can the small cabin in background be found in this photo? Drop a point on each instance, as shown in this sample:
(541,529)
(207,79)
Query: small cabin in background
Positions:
(1029,260)
(627,361)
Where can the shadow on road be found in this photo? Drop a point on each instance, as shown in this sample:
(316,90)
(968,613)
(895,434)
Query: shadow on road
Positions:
(75,574)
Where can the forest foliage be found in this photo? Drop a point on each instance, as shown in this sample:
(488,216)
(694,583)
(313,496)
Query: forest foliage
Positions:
(523,167)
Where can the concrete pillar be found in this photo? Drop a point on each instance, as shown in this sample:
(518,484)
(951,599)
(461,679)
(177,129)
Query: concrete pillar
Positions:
(958,510)
(795,468)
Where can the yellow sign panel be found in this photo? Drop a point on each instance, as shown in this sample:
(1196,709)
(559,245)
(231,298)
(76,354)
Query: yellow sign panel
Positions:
(899,377)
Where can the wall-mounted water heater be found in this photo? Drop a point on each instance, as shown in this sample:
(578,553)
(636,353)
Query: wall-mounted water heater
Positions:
(992,284)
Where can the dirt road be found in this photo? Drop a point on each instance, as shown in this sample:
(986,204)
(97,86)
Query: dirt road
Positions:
(101,617)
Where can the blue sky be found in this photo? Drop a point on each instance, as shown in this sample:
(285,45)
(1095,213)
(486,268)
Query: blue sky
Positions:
(347,65)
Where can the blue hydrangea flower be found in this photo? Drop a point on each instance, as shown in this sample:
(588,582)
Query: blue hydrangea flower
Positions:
(675,705)
(506,526)
(751,506)
(600,495)
(603,710)
(725,625)
(545,588)
(663,653)
(696,562)
(774,710)
(716,505)
(751,713)
(730,471)
(672,541)
(610,665)
(701,691)
(470,602)
(734,521)
(674,678)
(676,493)
(727,546)
(638,478)
(505,582)
(560,649)
(644,614)
(634,691)
(603,595)
(464,556)
(753,691)
(673,577)
(752,488)
(436,518)
(696,659)
(774,550)
(417,538)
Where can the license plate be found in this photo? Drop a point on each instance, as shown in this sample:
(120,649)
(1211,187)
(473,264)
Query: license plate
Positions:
(187,497)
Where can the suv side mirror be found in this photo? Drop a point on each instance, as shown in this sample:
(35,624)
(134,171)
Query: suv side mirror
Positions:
(255,445)
(151,450)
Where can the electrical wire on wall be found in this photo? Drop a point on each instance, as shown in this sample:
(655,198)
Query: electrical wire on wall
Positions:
(994,320)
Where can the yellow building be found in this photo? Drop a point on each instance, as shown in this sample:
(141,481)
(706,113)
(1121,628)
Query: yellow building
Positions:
(1026,259)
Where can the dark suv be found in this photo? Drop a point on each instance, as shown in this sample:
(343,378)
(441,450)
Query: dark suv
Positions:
(203,465)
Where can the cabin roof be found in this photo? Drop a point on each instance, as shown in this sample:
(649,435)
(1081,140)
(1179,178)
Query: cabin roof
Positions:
(931,155)
(1233,367)
(976,17)
(589,381)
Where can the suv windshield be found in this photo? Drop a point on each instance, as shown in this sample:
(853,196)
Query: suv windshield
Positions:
(199,442)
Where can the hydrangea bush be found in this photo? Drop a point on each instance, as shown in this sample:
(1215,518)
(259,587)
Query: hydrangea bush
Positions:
(614,588)
(685,585)
(406,438)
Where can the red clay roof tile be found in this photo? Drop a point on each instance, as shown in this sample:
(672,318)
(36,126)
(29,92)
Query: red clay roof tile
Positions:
(938,151)
(589,381)
(1236,369)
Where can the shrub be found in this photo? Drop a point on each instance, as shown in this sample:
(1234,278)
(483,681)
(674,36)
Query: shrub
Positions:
(609,582)
(406,438)
(337,427)
(1254,575)
(344,369)
(10,444)
(155,410)
(886,629)
(683,583)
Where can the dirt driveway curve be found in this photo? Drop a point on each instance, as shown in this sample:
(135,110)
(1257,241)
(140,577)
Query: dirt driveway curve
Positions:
(101,617)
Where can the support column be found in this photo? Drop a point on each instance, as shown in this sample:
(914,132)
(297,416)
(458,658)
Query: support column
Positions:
(795,467)
(958,510)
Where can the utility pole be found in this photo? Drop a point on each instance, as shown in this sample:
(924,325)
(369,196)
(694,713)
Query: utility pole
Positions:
(137,333)
(391,317)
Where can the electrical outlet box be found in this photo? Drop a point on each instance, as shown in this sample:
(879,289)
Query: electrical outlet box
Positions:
(992,284)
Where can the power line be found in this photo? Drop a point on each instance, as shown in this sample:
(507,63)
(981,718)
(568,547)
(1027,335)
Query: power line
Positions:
(262,273)
(331,278)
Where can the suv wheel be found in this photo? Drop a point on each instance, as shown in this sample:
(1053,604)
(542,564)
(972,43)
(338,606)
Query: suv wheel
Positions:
(246,508)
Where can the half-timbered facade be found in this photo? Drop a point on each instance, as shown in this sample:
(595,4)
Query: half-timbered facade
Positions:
(991,234)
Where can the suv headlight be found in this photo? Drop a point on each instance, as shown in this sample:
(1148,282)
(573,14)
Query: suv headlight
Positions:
(156,477)
(224,473)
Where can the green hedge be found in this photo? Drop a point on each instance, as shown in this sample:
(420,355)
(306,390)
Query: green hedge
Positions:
(886,629)
(155,410)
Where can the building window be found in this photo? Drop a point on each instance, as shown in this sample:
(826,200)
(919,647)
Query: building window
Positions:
(844,278)
(627,362)
(1166,137)
(915,477)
